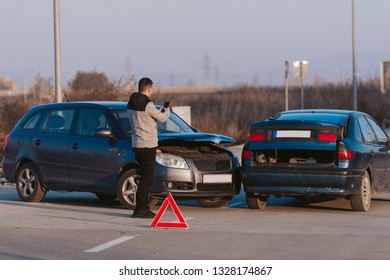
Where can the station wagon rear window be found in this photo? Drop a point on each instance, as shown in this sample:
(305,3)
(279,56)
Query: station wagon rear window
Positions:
(32,122)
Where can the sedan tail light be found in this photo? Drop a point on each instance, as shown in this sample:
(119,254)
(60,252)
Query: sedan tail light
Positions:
(246,157)
(344,153)
(257,137)
(344,156)
(327,137)
(257,134)
(246,154)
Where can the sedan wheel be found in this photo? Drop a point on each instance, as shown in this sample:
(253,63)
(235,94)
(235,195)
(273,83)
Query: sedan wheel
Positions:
(127,188)
(28,184)
(256,202)
(214,202)
(362,201)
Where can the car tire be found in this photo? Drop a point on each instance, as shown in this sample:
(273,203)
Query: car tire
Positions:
(105,197)
(362,201)
(214,202)
(28,183)
(127,188)
(256,202)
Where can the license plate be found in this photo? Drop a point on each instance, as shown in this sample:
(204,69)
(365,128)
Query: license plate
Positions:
(292,134)
(217,178)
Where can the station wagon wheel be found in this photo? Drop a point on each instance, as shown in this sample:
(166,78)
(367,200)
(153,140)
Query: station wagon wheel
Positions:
(28,184)
(127,188)
(256,202)
(362,201)
(214,202)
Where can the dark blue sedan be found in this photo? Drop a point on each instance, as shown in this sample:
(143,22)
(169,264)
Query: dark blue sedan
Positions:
(306,153)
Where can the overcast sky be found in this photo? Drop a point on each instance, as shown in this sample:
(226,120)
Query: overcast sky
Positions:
(246,41)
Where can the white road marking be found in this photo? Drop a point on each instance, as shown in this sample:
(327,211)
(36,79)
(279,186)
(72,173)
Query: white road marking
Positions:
(109,244)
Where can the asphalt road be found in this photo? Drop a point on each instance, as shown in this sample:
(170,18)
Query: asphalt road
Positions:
(78,226)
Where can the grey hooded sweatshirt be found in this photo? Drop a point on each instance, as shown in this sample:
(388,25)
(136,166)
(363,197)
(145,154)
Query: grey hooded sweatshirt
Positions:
(143,117)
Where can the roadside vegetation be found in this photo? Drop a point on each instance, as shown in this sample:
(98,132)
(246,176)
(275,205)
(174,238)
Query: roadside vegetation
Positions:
(227,111)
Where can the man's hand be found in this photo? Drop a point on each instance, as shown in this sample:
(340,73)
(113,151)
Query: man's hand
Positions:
(162,109)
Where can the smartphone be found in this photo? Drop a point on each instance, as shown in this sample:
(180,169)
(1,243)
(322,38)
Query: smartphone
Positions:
(166,104)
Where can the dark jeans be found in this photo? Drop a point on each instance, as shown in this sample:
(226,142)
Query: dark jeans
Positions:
(146,158)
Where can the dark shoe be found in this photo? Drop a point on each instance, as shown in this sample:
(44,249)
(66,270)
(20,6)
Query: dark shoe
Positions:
(144,214)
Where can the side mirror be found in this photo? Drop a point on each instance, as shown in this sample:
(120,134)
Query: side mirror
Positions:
(103,133)
(195,129)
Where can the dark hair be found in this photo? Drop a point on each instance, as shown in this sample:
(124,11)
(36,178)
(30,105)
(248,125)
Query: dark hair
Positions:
(144,83)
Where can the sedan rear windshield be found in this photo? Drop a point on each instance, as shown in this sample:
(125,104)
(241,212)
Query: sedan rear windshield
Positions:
(338,119)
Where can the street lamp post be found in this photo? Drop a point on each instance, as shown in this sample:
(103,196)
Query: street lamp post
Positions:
(301,71)
(286,84)
(354,87)
(57,52)
(301,81)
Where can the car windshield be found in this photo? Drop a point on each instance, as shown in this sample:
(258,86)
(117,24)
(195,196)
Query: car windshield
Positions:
(173,125)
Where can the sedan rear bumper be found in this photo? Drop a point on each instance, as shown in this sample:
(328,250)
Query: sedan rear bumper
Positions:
(301,182)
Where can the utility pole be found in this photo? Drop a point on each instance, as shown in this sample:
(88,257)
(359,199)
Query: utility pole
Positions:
(354,86)
(57,52)
(206,70)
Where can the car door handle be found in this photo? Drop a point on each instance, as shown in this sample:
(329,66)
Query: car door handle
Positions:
(37,142)
(75,146)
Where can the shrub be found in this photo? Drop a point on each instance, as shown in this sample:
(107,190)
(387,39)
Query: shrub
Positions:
(87,86)
(10,113)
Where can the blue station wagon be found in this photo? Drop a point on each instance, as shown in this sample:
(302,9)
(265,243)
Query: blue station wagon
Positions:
(306,153)
(86,147)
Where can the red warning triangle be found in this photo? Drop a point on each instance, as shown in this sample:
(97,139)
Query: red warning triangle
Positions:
(156,221)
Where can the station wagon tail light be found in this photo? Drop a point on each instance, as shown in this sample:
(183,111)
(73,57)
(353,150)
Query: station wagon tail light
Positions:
(327,137)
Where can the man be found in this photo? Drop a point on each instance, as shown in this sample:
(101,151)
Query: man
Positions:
(143,117)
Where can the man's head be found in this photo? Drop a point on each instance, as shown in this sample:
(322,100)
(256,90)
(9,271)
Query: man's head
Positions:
(145,86)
